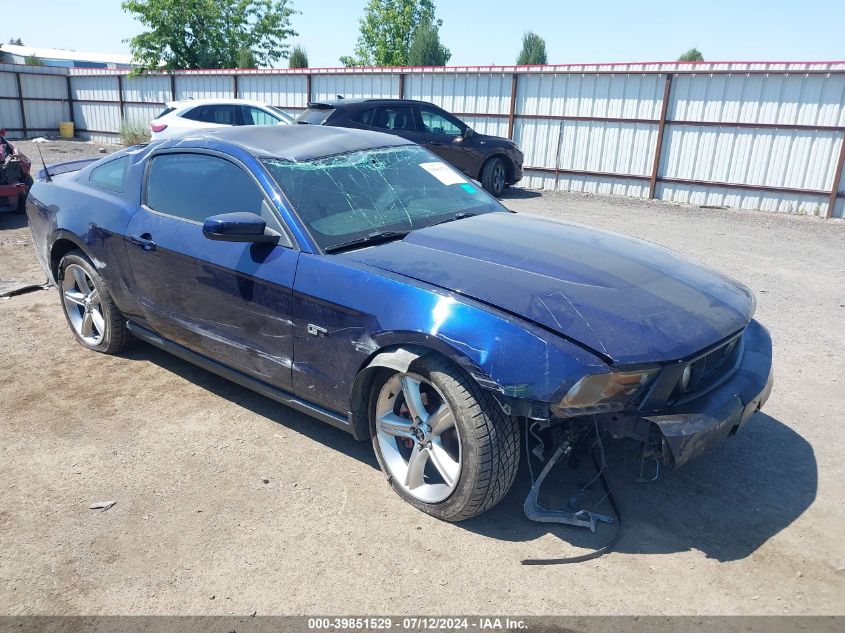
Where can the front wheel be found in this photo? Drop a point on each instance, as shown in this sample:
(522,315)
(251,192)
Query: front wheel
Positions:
(494,176)
(445,445)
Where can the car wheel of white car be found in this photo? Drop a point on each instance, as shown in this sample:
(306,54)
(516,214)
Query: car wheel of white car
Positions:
(445,445)
(89,309)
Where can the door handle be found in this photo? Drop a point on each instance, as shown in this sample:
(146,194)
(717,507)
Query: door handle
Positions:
(436,143)
(143,241)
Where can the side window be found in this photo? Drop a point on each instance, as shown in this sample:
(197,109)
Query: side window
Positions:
(364,117)
(436,123)
(223,114)
(196,186)
(200,113)
(394,118)
(256,116)
(110,176)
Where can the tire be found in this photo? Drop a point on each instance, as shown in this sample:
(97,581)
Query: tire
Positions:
(88,307)
(494,176)
(484,440)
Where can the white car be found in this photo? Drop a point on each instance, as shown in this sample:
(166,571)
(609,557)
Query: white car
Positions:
(181,117)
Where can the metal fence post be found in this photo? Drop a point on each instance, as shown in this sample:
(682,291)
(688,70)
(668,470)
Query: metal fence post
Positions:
(235,85)
(172,87)
(557,153)
(661,127)
(70,99)
(307,90)
(401,85)
(21,105)
(837,178)
(120,98)
(512,110)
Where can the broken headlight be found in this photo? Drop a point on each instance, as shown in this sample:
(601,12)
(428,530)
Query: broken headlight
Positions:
(600,393)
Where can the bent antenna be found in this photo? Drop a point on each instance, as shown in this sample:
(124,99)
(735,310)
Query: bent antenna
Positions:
(49,178)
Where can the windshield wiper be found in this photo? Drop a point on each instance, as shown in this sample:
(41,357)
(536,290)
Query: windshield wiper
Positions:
(372,238)
(457,216)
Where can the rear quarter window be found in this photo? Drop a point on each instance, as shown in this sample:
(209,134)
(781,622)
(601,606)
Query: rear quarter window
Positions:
(110,176)
(165,111)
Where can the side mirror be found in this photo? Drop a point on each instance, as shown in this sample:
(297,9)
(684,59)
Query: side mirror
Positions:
(238,227)
(469,132)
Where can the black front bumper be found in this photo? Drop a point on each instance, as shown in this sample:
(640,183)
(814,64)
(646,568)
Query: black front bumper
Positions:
(698,425)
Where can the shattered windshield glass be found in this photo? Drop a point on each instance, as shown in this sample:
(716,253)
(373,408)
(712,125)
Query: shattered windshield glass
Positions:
(350,197)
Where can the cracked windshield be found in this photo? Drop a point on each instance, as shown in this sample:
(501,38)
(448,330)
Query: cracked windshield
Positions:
(375,195)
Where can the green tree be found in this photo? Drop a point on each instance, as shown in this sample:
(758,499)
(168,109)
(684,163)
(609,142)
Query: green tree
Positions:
(533,49)
(387,29)
(209,33)
(245,59)
(298,58)
(32,60)
(692,55)
(16,41)
(426,49)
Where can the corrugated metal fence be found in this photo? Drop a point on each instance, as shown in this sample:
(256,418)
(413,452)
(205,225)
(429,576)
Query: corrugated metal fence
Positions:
(749,135)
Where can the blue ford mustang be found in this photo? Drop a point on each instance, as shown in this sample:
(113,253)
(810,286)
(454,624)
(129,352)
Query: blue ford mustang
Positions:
(357,277)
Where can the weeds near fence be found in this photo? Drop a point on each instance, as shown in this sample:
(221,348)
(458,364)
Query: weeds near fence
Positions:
(134,133)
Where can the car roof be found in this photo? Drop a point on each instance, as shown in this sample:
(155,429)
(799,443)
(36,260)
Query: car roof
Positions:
(340,103)
(296,142)
(194,102)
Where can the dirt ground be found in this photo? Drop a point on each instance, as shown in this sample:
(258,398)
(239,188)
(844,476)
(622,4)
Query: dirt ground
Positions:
(756,527)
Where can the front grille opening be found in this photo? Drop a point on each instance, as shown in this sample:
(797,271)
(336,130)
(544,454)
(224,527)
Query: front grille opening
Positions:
(704,372)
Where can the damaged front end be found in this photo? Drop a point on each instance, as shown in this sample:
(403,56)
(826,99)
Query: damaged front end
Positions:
(677,412)
(692,405)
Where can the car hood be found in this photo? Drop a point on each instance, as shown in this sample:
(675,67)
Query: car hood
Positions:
(628,300)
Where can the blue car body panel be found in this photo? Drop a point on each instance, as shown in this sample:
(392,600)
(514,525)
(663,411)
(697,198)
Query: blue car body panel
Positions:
(526,305)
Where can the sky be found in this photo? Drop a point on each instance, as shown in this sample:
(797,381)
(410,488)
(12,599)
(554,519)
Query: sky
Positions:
(482,32)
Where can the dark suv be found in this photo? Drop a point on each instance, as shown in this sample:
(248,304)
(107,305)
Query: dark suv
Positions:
(496,162)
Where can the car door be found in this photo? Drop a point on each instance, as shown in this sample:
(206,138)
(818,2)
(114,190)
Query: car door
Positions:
(229,301)
(443,134)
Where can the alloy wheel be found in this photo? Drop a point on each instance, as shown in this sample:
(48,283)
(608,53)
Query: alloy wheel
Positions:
(82,305)
(417,437)
(499,178)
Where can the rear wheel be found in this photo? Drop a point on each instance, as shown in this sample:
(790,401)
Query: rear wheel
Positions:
(445,445)
(494,176)
(89,309)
